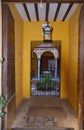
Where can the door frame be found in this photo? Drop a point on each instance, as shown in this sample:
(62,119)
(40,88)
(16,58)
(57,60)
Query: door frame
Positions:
(79,1)
(81,69)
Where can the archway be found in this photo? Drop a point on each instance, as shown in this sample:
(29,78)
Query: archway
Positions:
(46,47)
(46,57)
(49,64)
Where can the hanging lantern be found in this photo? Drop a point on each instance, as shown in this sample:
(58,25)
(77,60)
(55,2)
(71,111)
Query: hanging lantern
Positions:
(47,32)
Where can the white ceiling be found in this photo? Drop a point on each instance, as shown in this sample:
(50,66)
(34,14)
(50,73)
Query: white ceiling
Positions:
(42,11)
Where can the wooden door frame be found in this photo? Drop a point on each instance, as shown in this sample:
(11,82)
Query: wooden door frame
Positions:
(8,66)
(46,1)
(79,1)
(81,69)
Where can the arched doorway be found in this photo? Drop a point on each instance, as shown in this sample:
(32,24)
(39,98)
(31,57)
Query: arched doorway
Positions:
(45,64)
(48,63)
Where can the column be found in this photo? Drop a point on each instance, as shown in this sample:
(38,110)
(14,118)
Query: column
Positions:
(55,68)
(38,68)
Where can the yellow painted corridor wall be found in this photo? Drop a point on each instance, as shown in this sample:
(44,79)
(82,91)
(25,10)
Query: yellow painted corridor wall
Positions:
(67,33)
(33,31)
(73,59)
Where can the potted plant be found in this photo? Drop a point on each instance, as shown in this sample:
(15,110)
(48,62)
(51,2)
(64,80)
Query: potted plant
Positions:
(46,82)
(2,105)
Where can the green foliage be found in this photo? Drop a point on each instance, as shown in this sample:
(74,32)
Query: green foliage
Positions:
(47,83)
(2,105)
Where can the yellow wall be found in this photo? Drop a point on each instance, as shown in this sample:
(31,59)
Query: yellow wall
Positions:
(73,59)
(18,54)
(67,32)
(33,31)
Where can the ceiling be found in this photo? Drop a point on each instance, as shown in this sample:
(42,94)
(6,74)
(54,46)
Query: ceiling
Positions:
(46,11)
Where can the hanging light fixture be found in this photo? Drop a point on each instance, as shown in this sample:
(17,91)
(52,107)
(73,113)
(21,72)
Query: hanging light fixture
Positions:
(47,32)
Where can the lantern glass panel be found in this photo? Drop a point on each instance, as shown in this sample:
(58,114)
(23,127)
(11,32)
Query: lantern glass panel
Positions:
(47,32)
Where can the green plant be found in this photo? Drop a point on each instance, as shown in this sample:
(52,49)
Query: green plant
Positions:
(2,105)
(46,82)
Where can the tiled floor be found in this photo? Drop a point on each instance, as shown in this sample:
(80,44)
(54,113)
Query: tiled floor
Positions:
(45,112)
